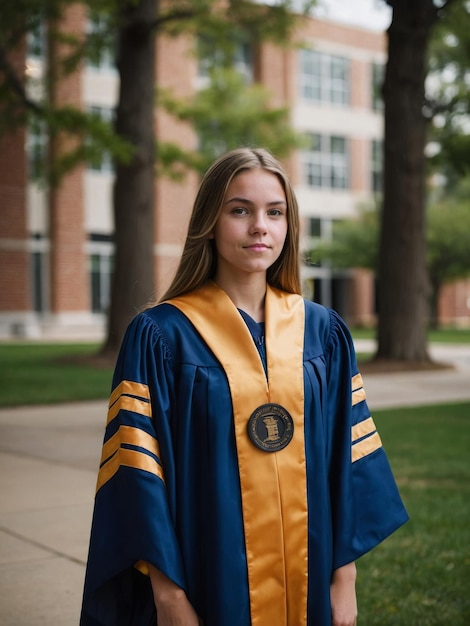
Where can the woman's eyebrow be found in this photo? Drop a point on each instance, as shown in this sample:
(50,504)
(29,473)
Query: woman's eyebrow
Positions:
(238,199)
(247,201)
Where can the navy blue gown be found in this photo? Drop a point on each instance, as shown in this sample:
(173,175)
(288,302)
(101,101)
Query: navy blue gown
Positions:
(169,487)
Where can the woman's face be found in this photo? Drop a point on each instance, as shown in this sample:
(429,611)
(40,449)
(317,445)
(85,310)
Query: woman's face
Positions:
(252,226)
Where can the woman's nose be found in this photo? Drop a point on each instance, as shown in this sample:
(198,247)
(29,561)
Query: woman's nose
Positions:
(259,223)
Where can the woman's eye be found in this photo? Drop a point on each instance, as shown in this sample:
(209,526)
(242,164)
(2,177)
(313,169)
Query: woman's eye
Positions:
(275,212)
(239,211)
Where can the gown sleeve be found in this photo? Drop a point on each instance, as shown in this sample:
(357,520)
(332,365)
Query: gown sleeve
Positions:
(132,520)
(366,504)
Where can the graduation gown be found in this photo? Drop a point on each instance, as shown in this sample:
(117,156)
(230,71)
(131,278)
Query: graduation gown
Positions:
(251,534)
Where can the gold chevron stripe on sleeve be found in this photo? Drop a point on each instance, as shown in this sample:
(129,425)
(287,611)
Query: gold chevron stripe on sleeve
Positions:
(132,436)
(128,458)
(362,429)
(358,393)
(127,403)
(128,387)
(356,382)
(366,446)
(358,396)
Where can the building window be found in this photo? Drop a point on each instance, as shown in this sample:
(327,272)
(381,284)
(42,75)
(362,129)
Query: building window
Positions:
(238,55)
(243,61)
(314,227)
(38,264)
(38,287)
(326,162)
(100,279)
(36,39)
(319,230)
(377,166)
(99,160)
(324,78)
(36,147)
(100,43)
(378,70)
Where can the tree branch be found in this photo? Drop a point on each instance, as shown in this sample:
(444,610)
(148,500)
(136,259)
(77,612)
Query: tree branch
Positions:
(174,16)
(17,84)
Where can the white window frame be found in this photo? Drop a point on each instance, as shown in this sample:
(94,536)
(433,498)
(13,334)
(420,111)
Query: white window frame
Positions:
(105,164)
(377,78)
(36,147)
(37,40)
(103,253)
(242,62)
(324,166)
(324,78)
(106,61)
(376,165)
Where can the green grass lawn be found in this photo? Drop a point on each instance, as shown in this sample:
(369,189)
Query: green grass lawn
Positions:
(50,373)
(37,373)
(420,575)
(444,335)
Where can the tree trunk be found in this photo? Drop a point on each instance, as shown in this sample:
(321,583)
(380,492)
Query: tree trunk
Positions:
(403,285)
(133,197)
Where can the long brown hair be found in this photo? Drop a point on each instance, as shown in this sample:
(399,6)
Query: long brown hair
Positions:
(198,262)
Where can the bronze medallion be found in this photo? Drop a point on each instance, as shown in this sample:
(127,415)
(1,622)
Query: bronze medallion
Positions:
(270,427)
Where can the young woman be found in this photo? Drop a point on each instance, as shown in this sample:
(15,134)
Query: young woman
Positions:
(242,474)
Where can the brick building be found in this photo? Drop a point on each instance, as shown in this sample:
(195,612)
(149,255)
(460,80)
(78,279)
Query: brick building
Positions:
(56,244)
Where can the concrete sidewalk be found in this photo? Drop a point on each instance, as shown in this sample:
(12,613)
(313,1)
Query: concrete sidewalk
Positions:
(48,466)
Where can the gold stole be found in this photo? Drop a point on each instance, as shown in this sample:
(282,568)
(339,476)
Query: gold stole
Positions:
(273,484)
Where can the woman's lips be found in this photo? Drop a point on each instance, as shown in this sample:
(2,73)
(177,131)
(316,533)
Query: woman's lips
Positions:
(257,247)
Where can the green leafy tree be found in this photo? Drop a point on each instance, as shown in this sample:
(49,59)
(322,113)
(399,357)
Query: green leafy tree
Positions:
(26,100)
(403,284)
(226,114)
(134,24)
(138,23)
(355,242)
(448,97)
